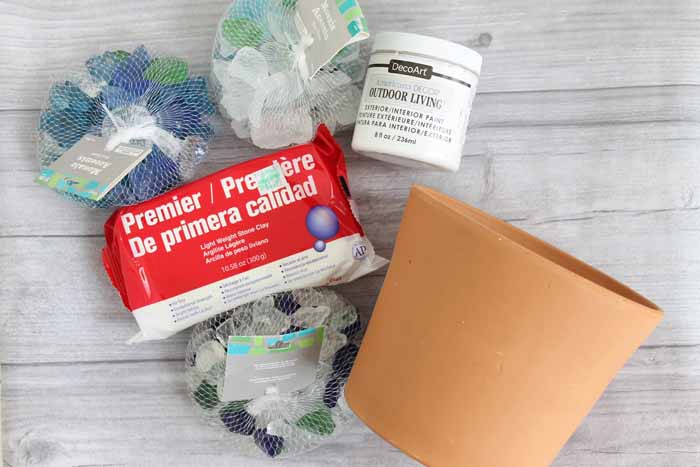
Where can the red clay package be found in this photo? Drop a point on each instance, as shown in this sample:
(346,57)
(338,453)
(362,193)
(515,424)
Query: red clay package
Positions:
(272,224)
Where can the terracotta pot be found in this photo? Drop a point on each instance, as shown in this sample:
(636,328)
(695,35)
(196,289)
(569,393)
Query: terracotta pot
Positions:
(487,346)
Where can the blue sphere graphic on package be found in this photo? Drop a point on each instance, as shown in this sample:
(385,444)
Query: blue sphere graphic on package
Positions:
(319,245)
(322,222)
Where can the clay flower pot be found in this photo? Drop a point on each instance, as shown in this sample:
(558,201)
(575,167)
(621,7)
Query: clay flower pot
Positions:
(487,346)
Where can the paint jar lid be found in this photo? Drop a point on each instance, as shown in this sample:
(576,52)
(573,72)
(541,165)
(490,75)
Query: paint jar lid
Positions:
(439,49)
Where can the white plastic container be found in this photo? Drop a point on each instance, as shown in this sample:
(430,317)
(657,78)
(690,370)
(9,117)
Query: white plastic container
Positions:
(416,101)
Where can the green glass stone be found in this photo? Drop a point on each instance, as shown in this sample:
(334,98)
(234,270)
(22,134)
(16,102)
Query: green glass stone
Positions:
(234,406)
(206,396)
(242,32)
(120,55)
(319,422)
(167,71)
(289,4)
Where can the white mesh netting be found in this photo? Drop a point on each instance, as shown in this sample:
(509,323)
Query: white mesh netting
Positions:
(131,97)
(259,78)
(278,425)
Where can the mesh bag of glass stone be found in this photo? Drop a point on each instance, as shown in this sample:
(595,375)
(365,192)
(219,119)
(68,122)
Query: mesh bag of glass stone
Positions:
(278,424)
(261,82)
(130,98)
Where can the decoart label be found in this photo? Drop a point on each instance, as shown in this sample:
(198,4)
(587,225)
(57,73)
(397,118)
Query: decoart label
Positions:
(416,111)
(418,70)
(416,101)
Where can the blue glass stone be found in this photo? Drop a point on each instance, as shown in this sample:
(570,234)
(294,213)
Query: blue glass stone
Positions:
(183,109)
(237,419)
(187,108)
(192,91)
(196,92)
(69,97)
(135,89)
(269,444)
(137,63)
(156,174)
(129,73)
(331,393)
(292,329)
(64,127)
(115,97)
(96,114)
(286,303)
(102,67)
(352,329)
(59,97)
(161,99)
(71,114)
(320,246)
(49,155)
(322,222)
(343,361)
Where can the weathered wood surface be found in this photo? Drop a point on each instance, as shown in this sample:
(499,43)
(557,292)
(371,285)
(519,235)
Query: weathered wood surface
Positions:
(585,132)
(535,45)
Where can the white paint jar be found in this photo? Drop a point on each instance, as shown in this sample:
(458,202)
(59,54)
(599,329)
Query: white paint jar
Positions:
(416,101)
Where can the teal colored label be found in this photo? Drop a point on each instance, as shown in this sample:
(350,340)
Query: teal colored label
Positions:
(260,345)
(352,13)
(75,185)
(89,169)
(258,365)
(270,179)
(330,26)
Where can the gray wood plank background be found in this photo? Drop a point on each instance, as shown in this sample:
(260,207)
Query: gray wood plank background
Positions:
(585,132)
